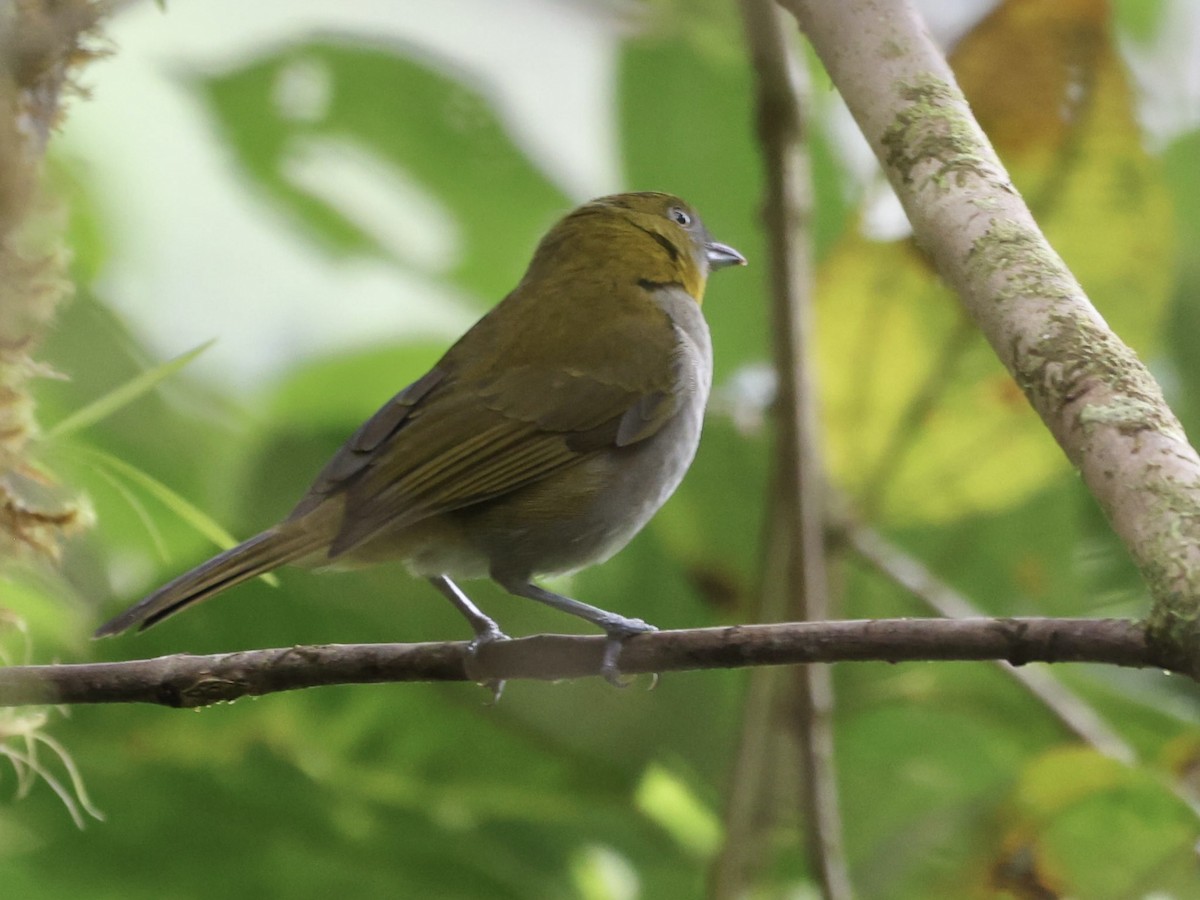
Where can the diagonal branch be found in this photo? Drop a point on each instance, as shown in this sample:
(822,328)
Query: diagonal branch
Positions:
(911,574)
(188,681)
(1093,393)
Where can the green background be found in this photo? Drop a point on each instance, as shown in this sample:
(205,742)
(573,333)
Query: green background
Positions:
(954,781)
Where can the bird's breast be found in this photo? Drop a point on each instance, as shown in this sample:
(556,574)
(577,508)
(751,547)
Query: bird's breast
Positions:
(586,513)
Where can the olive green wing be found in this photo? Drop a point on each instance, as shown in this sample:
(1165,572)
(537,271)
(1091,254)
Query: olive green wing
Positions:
(446,443)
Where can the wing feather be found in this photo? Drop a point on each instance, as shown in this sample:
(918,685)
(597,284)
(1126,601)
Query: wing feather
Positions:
(451,440)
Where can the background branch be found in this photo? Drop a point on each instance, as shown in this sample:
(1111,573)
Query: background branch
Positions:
(188,681)
(1094,394)
(911,574)
(794,571)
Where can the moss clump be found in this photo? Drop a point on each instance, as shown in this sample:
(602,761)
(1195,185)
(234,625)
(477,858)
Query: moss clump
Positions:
(934,126)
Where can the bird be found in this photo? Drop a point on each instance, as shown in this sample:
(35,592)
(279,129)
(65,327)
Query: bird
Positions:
(540,443)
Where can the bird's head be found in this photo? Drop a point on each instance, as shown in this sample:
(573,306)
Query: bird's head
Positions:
(655,238)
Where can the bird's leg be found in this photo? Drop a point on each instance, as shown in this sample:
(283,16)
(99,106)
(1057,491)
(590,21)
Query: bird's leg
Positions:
(616,627)
(485,628)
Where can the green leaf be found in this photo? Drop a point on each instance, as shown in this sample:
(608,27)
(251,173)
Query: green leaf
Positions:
(184,509)
(1146,842)
(341,391)
(431,127)
(1140,19)
(103,407)
(667,799)
(139,509)
(684,117)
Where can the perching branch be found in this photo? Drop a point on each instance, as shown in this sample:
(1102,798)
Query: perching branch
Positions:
(1093,393)
(189,681)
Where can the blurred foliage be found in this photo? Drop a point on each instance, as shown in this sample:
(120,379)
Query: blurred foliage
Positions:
(955,782)
(924,421)
(432,125)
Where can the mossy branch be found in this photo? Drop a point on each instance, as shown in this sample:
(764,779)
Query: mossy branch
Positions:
(1096,397)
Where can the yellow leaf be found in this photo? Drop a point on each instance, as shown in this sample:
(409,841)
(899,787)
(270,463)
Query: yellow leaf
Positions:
(924,424)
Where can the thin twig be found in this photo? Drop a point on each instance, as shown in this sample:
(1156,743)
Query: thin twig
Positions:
(751,803)
(911,574)
(187,681)
(799,479)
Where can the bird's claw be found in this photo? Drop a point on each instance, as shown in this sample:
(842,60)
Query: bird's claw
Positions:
(486,636)
(481,639)
(608,666)
(612,651)
(496,686)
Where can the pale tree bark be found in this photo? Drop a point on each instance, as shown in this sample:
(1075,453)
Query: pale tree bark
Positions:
(1095,396)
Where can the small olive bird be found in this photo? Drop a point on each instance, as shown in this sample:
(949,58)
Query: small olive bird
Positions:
(542,441)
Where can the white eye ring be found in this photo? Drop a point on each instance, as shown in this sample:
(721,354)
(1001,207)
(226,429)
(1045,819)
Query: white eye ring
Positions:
(681,217)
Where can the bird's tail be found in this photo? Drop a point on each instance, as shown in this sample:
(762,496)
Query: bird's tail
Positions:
(260,554)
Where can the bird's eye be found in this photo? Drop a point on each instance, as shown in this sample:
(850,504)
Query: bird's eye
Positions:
(680,216)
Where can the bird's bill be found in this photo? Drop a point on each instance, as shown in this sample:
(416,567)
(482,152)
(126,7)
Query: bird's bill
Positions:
(721,255)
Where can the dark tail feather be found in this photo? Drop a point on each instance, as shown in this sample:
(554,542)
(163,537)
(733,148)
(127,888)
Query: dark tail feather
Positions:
(260,554)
